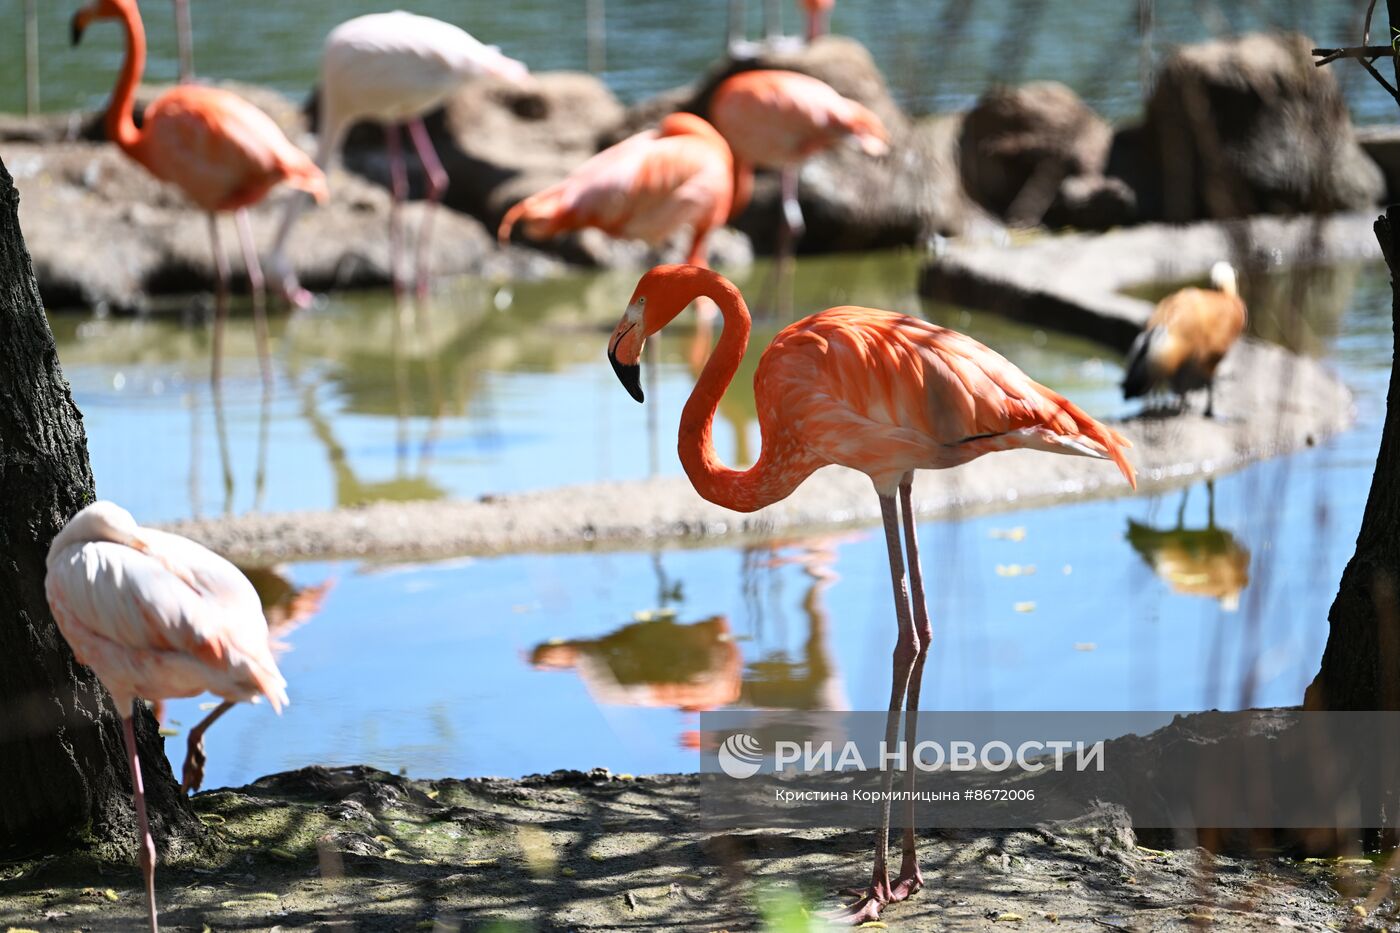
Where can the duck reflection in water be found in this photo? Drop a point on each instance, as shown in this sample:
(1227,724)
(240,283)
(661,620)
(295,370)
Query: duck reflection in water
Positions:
(286,607)
(1205,561)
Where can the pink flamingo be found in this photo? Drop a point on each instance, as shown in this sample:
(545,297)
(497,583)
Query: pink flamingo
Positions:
(877,392)
(157,616)
(221,151)
(391,68)
(651,186)
(780,119)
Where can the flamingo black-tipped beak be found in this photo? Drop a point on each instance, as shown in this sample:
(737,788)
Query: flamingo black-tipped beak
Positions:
(629,375)
(76,27)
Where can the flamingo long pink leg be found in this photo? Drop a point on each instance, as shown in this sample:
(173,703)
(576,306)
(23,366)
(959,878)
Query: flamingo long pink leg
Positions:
(906,649)
(192,774)
(256,286)
(398,191)
(793,224)
(437,186)
(185,39)
(145,843)
(910,879)
(221,275)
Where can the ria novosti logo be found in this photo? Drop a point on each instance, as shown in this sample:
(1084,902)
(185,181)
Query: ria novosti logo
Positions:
(740,756)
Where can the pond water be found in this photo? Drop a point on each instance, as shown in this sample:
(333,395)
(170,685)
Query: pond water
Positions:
(1209,597)
(938,54)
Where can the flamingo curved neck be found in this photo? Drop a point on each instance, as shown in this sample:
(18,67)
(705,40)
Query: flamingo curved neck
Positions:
(121,127)
(777,471)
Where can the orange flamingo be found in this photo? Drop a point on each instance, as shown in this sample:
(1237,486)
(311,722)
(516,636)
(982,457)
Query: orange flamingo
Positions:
(648,187)
(780,119)
(156,616)
(221,151)
(878,392)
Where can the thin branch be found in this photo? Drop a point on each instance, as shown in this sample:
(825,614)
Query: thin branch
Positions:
(1381,78)
(1362,53)
(1366,29)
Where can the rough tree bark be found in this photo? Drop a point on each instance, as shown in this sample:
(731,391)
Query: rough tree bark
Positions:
(1361,665)
(63,774)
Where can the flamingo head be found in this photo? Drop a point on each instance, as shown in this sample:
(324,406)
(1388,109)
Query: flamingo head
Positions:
(99,9)
(101,521)
(660,295)
(1222,277)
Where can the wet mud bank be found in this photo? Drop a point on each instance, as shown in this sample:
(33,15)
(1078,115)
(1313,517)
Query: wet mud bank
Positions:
(360,848)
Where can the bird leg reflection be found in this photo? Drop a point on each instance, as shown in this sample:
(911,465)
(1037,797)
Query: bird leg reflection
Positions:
(437,186)
(193,770)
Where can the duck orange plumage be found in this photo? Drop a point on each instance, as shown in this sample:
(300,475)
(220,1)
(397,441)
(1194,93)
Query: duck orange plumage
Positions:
(882,393)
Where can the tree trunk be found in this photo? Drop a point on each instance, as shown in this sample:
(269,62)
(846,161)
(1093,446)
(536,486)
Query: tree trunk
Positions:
(1361,665)
(63,773)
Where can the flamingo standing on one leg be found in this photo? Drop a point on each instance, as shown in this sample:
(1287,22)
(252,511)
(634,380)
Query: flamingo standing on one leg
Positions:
(221,151)
(878,392)
(779,119)
(392,68)
(157,616)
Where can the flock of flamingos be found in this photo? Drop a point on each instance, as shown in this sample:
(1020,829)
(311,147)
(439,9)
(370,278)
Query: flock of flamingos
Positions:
(157,616)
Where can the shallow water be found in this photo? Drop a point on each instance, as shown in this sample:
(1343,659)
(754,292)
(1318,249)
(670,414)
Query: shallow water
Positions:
(490,389)
(1211,597)
(938,54)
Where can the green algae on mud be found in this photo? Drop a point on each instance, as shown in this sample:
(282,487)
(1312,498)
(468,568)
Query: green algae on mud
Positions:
(359,848)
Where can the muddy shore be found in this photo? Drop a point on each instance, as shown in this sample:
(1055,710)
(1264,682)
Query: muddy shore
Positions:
(356,848)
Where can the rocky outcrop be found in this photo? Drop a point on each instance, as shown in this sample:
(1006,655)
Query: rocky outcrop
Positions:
(1246,126)
(849,200)
(1021,147)
(104,233)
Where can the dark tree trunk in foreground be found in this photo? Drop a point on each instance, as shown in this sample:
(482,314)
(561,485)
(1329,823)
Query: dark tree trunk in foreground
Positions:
(63,773)
(1361,666)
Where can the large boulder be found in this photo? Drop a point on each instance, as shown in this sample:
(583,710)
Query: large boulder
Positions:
(102,232)
(850,200)
(1247,125)
(1036,153)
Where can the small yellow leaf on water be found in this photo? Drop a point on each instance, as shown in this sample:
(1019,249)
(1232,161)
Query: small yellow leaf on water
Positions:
(1015,570)
(207,706)
(1067,570)
(1025,607)
(1085,646)
(1009,534)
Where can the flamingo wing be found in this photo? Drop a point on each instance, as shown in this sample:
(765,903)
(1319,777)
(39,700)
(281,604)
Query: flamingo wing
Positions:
(778,118)
(174,620)
(886,393)
(222,151)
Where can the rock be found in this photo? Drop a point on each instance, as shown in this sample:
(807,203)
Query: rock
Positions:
(850,201)
(103,232)
(1246,126)
(1092,202)
(1018,144)
(1382,144)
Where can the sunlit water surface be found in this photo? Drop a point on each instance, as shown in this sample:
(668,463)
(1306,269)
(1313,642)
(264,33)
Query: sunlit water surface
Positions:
(528,663)
(938,55)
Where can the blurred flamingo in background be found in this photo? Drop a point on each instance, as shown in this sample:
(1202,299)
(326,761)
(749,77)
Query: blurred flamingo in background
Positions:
(157,616)
(391,68)
(778,120)
(818,13)
(184,38)
(221,151)
(877,392)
